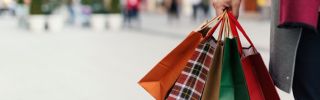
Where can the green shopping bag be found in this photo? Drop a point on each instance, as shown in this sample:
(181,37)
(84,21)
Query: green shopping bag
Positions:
(233,85)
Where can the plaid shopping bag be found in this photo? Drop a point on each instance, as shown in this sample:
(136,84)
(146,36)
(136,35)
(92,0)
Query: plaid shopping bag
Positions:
(190,84)
(212,87)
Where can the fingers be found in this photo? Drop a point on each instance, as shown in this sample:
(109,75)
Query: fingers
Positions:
(235,8)
(219,12)
(232,5)
(221,5)
(235,12)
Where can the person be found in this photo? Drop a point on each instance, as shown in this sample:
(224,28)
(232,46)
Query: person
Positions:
(86,12)
(132,8)
(173,9)
(71,11)
(22,14)
(205,7)
(294,47)
(195,7)
(202,5)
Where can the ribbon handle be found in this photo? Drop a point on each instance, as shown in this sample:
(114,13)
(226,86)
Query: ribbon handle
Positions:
(234,24)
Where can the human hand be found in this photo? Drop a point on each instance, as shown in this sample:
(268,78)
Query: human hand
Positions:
(232,5)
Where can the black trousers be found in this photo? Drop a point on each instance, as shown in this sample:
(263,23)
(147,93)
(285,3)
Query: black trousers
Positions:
(306,81)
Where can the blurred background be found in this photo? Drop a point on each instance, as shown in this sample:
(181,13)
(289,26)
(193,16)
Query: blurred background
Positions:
(100,49)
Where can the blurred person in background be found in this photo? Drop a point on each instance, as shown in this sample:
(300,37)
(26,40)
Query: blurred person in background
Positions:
(295,45)
(159,3)
(4,6)
(22,13)
(1,7)
(195,7)
(173,7)
(131,12)
(264,8)
(85,12)
(11,6)
(203,5)
(71,11)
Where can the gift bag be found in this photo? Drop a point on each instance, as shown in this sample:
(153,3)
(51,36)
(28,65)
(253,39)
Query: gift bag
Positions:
(191,82)
(260,84)
(233,84)
(212,87)
(192,79)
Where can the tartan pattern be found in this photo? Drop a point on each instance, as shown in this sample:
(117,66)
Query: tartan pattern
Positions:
(191,82)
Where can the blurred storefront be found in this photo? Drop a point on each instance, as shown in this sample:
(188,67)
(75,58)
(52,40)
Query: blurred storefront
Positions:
(185,6)
(255,5)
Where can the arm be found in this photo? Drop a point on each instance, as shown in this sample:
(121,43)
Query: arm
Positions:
(220,5)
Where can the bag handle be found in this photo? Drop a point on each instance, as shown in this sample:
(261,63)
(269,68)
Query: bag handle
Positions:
(234,24)
(207,23)
(235,34)
(213,29)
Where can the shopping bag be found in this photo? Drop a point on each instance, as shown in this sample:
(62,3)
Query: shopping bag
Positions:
(161,78)
(212,87)
(233,84)
(260,84)
(191,81)
(190,84)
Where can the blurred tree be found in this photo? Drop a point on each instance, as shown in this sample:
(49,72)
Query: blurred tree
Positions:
(114,6)
(86,2)
(44,6)
(20,2)
(49,6)
(98,7)
(69,2)
(36,7)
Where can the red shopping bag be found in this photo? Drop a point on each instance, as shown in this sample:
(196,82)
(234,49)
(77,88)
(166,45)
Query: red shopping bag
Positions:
(259,82)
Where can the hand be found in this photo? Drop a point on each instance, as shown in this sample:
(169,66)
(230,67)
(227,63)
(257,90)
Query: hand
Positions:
(221,5)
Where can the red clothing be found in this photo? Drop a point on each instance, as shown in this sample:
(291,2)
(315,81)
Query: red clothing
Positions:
(299,13)
(133,4)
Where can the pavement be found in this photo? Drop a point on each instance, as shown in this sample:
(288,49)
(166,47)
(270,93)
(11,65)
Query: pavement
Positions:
(81,64)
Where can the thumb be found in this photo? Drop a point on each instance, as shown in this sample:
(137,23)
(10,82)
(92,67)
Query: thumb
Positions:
(235,8)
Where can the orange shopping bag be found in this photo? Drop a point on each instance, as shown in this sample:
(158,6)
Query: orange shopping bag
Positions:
(162,77)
